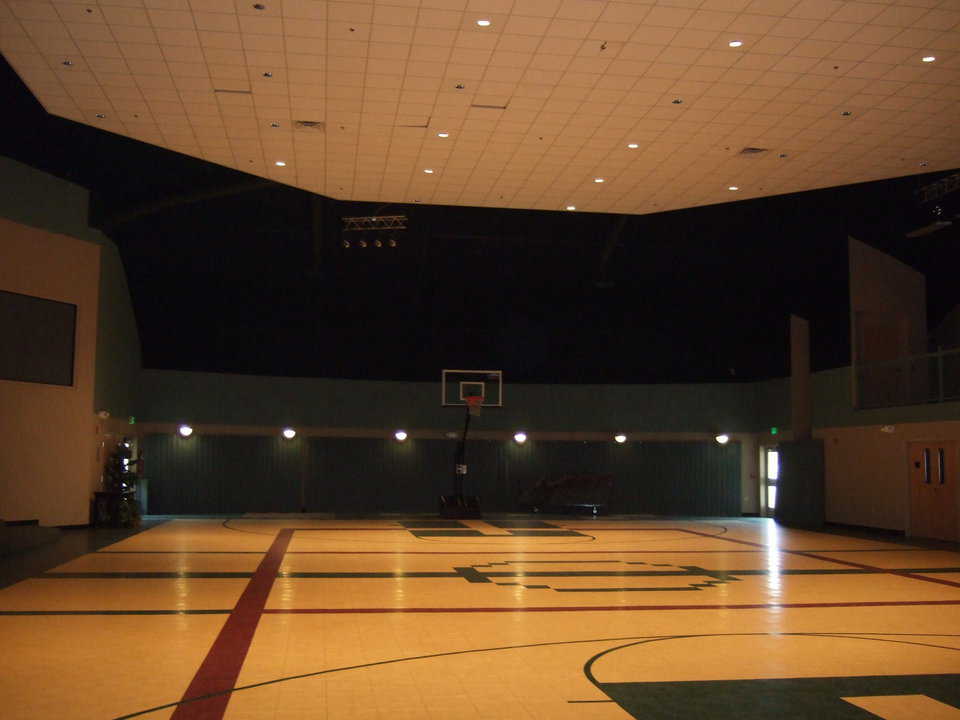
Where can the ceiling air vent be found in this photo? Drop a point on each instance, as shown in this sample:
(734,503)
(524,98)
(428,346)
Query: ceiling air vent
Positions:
(752,151)
(317,125)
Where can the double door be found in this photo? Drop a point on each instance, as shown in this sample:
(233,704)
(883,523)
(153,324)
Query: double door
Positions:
(933,490)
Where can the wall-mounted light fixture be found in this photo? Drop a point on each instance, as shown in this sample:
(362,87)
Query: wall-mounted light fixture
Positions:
(289,433)
(520,437)
(185,431)
(400,435)
(722,438)
(620,438)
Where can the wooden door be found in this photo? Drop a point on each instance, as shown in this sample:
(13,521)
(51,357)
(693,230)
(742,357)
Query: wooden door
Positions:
(933,490)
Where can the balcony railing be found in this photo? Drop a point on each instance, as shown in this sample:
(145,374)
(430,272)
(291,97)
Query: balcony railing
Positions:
(913,380)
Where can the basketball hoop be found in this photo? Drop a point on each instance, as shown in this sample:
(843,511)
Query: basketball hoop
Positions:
(474,403)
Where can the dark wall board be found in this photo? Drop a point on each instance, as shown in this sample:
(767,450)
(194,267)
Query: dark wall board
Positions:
(222,474)
(38,339)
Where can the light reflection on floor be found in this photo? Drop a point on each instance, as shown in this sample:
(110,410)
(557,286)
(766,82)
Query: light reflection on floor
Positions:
(584,618)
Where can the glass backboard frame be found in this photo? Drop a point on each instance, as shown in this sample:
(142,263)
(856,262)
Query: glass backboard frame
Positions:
(453,383)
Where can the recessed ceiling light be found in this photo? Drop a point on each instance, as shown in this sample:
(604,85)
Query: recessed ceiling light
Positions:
(483,23)
(632,146)
(928,58)
(735,43)
(598,180)
(571,207)
(428,171)
(733,187)
(846,113)
(443,134)
(280,163)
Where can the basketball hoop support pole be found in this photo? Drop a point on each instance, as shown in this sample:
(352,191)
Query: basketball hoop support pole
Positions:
(461,459)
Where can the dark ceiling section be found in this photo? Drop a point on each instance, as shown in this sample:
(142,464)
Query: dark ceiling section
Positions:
(229,273)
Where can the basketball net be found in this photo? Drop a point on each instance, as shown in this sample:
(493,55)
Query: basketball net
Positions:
(474,403)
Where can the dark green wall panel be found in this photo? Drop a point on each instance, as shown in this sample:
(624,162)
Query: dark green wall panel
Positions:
(676,478)
(355,475)
(222,474)
(209,474)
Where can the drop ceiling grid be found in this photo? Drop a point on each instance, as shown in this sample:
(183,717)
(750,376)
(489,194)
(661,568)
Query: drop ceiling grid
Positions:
(168,77)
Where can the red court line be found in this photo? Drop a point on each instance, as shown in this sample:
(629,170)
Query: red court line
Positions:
(602,608)
(824,558)
(220,668)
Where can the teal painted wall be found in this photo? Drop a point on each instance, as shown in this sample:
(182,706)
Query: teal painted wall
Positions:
(833,407)
(118,341)
(166,396)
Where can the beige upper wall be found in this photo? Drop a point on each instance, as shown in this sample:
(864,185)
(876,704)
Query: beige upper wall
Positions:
(47,432)
(885,294)
(867,471)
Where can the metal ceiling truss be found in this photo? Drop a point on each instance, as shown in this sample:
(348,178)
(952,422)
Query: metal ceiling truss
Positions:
(374,222)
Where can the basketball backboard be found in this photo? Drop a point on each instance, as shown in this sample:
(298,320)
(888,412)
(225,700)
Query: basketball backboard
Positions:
(457,385)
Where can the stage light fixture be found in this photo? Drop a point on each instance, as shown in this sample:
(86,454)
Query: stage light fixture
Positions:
(185,431)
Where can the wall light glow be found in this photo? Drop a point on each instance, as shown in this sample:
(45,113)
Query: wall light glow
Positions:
(722,438)
(620,438)
(289,433)
(400,435)
(185,431)
(520,438)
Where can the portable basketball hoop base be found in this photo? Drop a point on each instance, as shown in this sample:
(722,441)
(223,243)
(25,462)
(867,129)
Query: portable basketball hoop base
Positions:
(459,507)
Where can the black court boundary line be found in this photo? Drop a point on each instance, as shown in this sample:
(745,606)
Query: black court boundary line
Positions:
(41,613)
(490,552)
(482,570)
(604,608)
(884,637)
(636,639)
(808,554)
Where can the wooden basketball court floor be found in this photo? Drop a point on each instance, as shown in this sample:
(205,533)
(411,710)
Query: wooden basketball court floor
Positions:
(519,618)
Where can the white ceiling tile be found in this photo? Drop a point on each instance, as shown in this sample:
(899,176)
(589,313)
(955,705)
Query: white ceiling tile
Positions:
(802,61)
(220,40)
(141,51)
(753,24)
(837,31)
